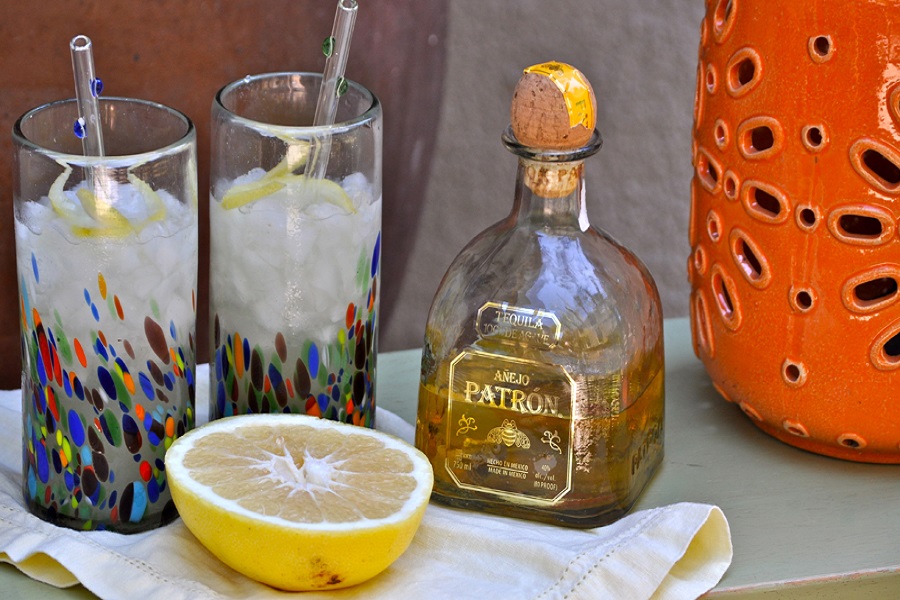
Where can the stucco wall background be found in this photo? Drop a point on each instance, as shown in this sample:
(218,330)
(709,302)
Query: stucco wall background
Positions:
(640,56)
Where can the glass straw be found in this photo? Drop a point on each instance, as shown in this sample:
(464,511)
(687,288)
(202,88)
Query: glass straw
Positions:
(336,49)
(87,88)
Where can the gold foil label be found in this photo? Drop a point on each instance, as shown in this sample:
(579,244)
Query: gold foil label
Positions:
(531,326)
(575,90)
(510,429)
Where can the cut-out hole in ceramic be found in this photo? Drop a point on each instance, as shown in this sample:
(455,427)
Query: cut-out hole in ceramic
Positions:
(760,138)
(793,373)
(702,326)
(713,226)
(731,185)
(743,72)
(885,351)
(795,428)
(721,133)
(877,163)
(708,171)
(725,294)
(802,299)
(765,202)
(749,259)
(807,218)
(821,48)
(723,19)
(861,224)
(814,137)
(851,440)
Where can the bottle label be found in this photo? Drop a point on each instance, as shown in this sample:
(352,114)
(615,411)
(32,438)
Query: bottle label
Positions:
(510,430)
(535,327)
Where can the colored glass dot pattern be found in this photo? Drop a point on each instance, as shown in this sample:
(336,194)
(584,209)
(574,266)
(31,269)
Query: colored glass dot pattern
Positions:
(98,416)
(333,380)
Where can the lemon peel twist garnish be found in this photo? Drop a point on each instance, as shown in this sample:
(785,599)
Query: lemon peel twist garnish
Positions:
(84,217)
(94,216)
(282,176)
(111,222)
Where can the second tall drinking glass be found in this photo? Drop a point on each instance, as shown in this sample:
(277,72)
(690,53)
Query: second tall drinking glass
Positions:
(294,258)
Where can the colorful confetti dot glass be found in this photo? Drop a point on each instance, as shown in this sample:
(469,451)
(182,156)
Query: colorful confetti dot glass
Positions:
(295,261)
(107,260)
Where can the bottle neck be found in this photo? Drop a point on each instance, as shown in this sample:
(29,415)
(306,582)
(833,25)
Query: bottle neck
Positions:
(550,194)
(550,183)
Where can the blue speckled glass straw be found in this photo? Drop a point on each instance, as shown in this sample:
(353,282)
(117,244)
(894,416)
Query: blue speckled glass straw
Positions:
(87,88)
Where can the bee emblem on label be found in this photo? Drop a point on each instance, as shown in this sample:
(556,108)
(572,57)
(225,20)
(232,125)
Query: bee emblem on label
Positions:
(508,433)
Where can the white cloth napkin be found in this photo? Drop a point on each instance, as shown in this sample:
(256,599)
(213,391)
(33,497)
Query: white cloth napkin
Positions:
(676,551)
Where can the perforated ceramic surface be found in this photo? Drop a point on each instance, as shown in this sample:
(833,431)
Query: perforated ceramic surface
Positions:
(794,263)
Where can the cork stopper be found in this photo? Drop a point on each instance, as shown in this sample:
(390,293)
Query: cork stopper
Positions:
(553,107)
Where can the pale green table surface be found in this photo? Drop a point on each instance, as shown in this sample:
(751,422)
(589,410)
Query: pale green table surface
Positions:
(803,525)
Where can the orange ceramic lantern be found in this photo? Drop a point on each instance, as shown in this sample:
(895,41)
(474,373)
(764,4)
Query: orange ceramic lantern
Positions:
(795,249)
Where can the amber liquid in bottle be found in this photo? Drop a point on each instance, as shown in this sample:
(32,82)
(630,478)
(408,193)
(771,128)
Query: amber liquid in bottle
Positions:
(542,389)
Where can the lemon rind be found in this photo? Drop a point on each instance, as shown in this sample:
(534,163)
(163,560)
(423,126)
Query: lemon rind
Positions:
(100,218)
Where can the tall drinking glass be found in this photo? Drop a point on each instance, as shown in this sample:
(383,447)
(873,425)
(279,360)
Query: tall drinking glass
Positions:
(106,252)
(294,264)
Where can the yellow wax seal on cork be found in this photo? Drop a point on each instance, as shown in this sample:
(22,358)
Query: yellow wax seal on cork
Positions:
(553,107)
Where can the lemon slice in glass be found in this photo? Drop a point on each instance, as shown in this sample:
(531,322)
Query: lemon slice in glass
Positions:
(297,502)
(103,213)
(309,189)
(94,216)
(89,216)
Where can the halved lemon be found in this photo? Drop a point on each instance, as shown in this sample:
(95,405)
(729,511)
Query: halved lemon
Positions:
(298,502)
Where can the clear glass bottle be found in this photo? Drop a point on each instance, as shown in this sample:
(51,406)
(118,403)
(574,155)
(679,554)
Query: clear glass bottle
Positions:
(542,391)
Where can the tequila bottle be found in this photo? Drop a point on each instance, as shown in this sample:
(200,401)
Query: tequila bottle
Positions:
(541,393)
